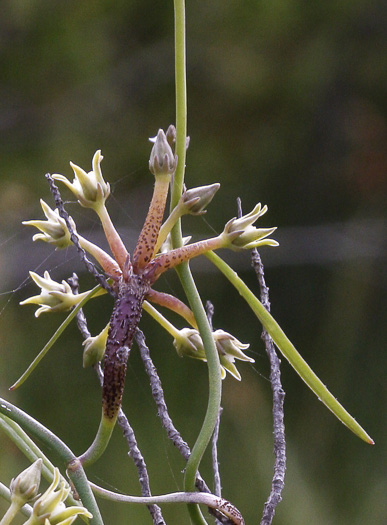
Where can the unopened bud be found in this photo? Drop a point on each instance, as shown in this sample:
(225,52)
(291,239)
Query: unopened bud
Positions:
(196,199)
(25,486)
(162,160)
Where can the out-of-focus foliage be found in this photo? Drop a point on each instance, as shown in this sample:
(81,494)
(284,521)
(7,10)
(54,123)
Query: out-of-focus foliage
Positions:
(287,106)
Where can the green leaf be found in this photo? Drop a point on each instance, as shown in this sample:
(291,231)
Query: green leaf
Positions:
(288,350)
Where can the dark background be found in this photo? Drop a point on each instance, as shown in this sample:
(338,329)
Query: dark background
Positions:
(287,106)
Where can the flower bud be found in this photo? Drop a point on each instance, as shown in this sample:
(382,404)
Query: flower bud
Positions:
(25,486)
(196,199)
(189,343)
(54,229)
(162,161)
(94,348)
(89,188)
(54,296)
(239,234)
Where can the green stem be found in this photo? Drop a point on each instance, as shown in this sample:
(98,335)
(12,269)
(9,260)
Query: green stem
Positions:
(101,441)
(288,350)
(214,374)
(11,513)
(5,493)
(52,442)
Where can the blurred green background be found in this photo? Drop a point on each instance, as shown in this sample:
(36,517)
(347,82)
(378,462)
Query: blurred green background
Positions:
(287,106)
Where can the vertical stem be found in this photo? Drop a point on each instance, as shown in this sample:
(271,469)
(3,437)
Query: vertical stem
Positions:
(215,382)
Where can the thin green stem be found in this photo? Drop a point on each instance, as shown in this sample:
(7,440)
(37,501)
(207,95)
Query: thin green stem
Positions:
(5,493)
(288,350)
(214,371)
(52,442)
(101,441)
(157,316)
(11,513)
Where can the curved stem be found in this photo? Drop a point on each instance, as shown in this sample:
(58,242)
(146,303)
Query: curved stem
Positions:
(215,502)
(214,371)
(52,442)
(288,350)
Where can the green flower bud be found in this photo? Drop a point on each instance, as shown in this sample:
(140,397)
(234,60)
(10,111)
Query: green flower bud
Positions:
(239,234)
(162,160)
(89,188)
(95,348)
(24,488)
(196,199)
(54,229)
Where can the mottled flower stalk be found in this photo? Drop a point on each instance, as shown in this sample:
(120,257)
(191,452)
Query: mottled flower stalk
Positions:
(145,248)
(172,303)
(117,247)
(164,262)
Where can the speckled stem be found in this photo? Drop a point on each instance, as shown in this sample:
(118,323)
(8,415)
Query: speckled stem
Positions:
(146,243)
(123,324)
(168,260)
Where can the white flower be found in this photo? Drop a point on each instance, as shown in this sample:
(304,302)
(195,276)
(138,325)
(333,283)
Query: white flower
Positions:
(50,508)
(239,234)
(89,188)
(230,348)
(54,296)
(54,229)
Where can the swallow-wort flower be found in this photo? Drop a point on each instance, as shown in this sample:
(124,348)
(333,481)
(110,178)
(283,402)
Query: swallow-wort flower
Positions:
(54,230)
(54,296)
(89,188)
(189,343)
(50,508)
(240,234)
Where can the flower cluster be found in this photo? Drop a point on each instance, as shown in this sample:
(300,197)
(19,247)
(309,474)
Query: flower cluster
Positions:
(153,254)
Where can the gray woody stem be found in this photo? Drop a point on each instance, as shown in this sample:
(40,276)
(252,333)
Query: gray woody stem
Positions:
(278,481)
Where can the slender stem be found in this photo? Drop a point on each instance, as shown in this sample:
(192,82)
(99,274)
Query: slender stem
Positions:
(288,350)
(165,229)
(11,513)
(157,316)
(172,303)
(117,247)
(101,441)
(214,373)
(52,442)
(215,502)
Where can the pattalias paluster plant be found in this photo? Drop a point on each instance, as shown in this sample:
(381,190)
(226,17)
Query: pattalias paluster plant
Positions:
(130,279)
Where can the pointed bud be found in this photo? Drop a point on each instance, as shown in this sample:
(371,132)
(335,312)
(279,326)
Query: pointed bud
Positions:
(25,486)
(95,348)
(162,161)
(171,135)
(196,199)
